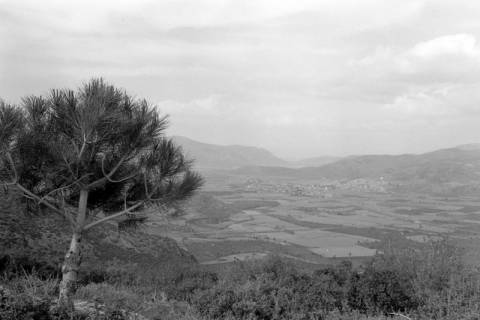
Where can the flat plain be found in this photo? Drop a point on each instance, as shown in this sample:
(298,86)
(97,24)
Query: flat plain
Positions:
(237,217)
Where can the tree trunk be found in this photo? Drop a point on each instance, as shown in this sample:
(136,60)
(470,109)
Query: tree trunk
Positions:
(70,270)
(73,258)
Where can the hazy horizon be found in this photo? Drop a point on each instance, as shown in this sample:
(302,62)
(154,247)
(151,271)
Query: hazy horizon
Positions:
(475,144)
(299,78)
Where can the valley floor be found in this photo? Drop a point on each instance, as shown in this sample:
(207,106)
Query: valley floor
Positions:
(235,219)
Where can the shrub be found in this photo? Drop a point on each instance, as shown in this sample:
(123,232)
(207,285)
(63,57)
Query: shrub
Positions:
(14,265)
(112,297)
(22,306)
(271,289)
(113,272)
(187,283)
(430,281)
(27,297)
(382,290)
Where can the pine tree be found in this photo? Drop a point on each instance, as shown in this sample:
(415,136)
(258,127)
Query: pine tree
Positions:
(90,151)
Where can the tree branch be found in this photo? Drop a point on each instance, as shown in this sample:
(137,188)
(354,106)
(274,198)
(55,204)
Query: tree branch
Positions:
(33,196)
(68,165)
(15,174)
(148,195)
(113,216)
(67,186)
(400,315)
(109,175)
(46,203)
(83,147)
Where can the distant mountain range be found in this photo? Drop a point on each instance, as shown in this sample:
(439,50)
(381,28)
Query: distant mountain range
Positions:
(453,170)
(457,165)
(212,156)
(313,162)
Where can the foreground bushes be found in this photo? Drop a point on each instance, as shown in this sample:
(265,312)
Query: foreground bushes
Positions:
(430,282)
(27,297)
(424,283)
(274,290)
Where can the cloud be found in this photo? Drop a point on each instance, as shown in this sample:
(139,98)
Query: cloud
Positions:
(449,58)
(307,72)
(456,45)
(438,102)
(212,105)
(423,103)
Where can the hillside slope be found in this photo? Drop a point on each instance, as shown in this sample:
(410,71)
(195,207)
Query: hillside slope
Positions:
(313,162)
(226,157)
(447,165)
(45,237)
(454,167)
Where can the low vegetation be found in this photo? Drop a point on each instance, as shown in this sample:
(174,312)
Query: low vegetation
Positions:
(430,282)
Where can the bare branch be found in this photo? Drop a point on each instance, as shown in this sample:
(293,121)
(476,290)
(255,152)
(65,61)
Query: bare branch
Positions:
(146,187)
(120,162)
(84,144)
(15,174)
(46,203)
(107,176)
(113,216)
(11,183)
(74,145)
(68,165)
(67,186)
(400,315)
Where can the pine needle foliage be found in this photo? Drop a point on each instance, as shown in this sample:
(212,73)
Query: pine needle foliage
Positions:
(99,138)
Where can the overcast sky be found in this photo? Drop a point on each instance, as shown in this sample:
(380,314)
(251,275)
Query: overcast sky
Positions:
(300,78)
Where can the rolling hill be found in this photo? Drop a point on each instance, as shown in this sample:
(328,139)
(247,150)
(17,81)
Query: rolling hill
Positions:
(456,167)
(45,237)
(211,156)
(458,164)
(313,162)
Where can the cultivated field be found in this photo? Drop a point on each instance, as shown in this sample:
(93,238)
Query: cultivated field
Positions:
(236,219)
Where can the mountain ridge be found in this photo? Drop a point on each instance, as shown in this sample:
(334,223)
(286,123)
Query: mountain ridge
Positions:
(440,169)
(213,156)
(458,163)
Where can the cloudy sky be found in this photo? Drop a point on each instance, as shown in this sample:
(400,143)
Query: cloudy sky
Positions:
(299,77)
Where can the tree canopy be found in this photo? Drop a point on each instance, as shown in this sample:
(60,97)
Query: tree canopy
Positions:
(98,138)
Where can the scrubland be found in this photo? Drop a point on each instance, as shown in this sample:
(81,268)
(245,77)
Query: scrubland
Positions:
(428,282)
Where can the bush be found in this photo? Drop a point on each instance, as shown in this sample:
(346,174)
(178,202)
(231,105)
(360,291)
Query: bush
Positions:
(22,306)
(15,265)
(272,289)
(188,283)
(430,281)
(382,290)
(112,297)
(27,297)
